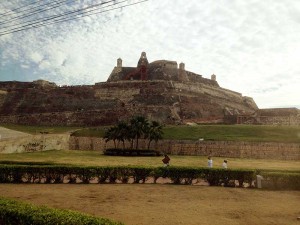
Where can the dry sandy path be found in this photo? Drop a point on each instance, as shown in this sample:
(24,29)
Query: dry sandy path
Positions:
(160,204)
(8,134)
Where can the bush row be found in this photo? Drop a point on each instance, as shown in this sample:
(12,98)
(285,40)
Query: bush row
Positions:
(281,180)
(19,173)
(15,212)
(122,174)
(131,152)
(31,163)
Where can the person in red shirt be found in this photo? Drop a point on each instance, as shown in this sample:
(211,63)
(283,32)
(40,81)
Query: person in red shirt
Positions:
(166,160)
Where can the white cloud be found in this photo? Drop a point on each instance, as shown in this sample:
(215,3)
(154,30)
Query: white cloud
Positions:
(35,57)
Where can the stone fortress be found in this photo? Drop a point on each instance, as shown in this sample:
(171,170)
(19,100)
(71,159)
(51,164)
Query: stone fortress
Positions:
(160,90)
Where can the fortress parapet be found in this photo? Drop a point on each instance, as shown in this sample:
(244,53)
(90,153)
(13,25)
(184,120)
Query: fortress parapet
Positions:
(157,70)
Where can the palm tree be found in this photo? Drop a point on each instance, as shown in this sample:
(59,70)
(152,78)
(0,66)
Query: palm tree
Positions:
(111,134)
(155,132)
(138,128)
(122,132)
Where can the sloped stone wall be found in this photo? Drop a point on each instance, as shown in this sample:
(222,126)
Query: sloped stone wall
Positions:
(255,150)
(35,143)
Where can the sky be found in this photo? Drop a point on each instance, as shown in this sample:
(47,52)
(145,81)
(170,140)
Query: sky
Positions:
(252,46)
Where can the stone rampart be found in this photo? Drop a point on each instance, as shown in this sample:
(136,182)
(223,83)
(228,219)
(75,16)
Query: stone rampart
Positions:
(280,120)
(2,97)
(115,93)
(34,143)
(233,149)
(211,90)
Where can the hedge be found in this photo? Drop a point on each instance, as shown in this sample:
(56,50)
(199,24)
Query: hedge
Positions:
(131,152)
(18,173)
(16,212)
(112,174)
(281,180)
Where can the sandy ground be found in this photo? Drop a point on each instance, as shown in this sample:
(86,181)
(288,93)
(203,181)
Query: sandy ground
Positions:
(161,204)
(8,134)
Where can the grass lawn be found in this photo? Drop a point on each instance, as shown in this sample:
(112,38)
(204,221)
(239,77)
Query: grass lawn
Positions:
(234,133)
(258,133)
(95,158)
(253,133)
(157,204)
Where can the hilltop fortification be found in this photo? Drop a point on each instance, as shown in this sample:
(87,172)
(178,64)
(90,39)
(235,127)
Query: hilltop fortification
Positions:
(161,90)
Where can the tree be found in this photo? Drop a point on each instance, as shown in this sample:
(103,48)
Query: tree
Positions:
(111,134)
(138,128)
(155,132)
(122,132)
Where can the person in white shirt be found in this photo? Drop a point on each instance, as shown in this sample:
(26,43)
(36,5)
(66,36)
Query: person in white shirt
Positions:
(209,162)
(224,165)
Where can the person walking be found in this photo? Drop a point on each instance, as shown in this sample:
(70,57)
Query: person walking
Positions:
(224,164)
(166,160)
(209,162)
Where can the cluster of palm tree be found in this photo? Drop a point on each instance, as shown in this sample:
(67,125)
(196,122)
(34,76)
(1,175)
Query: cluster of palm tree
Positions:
(137,128)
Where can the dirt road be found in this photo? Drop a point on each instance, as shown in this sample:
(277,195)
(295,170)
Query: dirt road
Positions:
(159,204)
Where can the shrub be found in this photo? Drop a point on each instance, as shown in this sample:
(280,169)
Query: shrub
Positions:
(182,175)
(131,152)
(217,177)
(280,180)
(140,174)
(15,212)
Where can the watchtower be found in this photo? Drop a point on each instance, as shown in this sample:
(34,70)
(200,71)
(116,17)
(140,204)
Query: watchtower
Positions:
(213,77)
(182,75)
(119,62)
(182,66)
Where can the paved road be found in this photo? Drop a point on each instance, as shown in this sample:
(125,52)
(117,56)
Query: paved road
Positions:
(8,134)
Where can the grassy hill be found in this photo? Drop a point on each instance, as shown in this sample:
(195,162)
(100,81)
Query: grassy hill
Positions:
(234,133)
(218,133)
(259,133)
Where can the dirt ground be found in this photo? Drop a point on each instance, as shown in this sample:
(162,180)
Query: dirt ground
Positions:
(161,204)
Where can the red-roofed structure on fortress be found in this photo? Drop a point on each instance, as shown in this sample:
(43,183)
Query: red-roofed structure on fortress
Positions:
(161,90)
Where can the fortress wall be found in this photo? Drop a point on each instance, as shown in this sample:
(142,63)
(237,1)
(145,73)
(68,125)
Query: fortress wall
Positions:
(2,97)
(211,90)
(280,120)
(220,96)
(34,143)
(108,93)
(127,89)
(78,118)
(227,149)
(170,65)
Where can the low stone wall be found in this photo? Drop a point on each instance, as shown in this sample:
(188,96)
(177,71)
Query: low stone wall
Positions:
(34,143)
(255,150)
